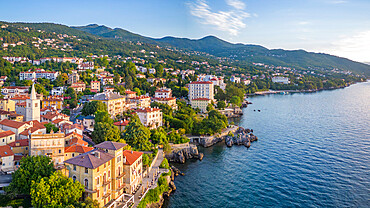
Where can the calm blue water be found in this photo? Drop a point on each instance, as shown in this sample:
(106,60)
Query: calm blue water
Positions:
(313,151)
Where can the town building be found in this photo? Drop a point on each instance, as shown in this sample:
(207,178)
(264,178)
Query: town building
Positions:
(141,101)
(38,74)
(171,101)
(95,86)
(57,91)
(130,94)
(200,103)
(12,91)
(85,66)
(6,159)
(7,104)
(88,122)
(6,137)
(107,81)
(150,117)
(102,171)
(281,80)
(235,79)
(121,124)
(163,93)
(115,102)
(78,87)
(53,101)
(201,89)
(20,147)
(51,145)
(74,77)
(14,126)
(75,150)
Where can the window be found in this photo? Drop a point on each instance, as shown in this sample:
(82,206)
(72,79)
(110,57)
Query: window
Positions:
(73,154)
(86,170)
(74,178)
(60,151)
(86,182)
(97,181)
(74,167)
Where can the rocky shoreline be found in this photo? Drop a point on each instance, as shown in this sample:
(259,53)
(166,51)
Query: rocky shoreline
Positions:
(180,155)
(244,137)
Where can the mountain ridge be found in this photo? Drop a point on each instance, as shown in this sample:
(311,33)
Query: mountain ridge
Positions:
(243,54)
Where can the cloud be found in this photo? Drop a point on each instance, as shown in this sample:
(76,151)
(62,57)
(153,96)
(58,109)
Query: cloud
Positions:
(355,47)
(304,23)
(230,21)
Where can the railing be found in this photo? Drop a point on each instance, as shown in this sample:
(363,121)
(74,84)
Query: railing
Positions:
(106,182)
(90,191)
(106,195)
(121,175)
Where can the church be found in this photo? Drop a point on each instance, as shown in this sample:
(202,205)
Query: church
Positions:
(32,106)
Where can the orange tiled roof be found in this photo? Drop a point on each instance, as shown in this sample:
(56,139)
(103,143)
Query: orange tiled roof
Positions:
(11,123)
(131,156)
(78,148)
(19,143)
(6,133)
(5,151)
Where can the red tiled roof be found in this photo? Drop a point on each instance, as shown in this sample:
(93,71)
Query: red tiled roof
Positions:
(5,151)
(146,110)
(22,104)
(165,99)
(140,97)
(20,97)
(77,141)
(74,134)
(204,99)
(6,133)
(131,156)
(121,123)
(129,92)
(201,82)
(56,121)
(19,143)
(11,123)
(78,148)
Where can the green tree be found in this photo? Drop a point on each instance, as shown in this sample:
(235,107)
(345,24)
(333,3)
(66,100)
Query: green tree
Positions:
(50,126)
(93,107)
(128,83)
(55,191)
(235,100)
(32,168)
(137,135)
(103,116)
(221,105)
(159,70)
(106,132)
(159,136)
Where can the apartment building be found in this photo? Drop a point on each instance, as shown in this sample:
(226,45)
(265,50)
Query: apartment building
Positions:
(163,93)
(201,89)
(141,101)
(74,77)
(150,117)
(115,102)
(200,103)
(107,172)
(95,86)
(51,145)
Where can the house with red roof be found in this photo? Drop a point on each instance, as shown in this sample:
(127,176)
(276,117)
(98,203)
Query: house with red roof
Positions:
(20,147)
(6,137)
(6,159)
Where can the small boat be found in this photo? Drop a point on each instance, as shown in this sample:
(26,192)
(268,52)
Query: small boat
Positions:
(259,110)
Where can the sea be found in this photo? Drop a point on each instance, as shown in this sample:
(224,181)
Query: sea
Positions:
(313,150)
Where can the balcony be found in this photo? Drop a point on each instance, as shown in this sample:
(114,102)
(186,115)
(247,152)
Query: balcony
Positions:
(121,175)
(121,186)
(106,182)
(90,191)
(106,195)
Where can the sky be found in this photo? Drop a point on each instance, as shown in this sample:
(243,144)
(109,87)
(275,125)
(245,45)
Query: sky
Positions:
(337,27)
